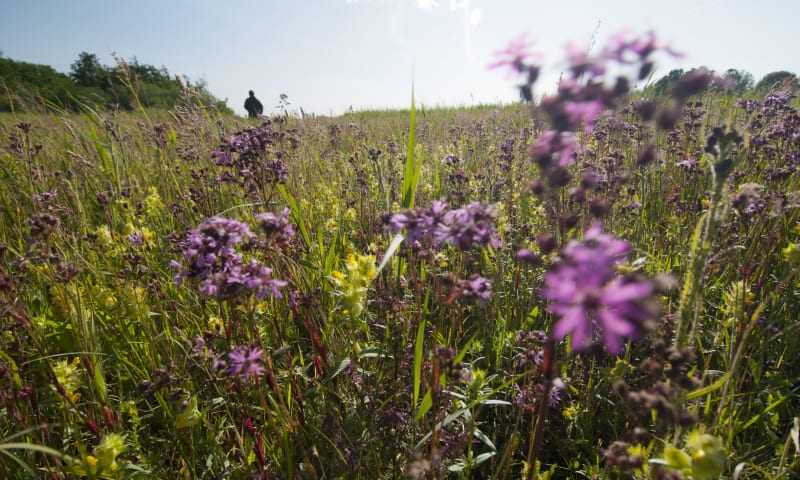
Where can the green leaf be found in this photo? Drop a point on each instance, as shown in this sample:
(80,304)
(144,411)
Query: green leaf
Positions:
(336,371)
(418,358)
(289,199)
(427,403)
(411,173)
(485,439)
(393,246)
(714,386)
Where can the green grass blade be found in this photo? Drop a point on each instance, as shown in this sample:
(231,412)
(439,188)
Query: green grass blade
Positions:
(411,173)
(289,199)
(418,358)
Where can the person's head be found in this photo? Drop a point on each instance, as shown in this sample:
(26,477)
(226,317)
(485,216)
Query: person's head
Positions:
(252,93)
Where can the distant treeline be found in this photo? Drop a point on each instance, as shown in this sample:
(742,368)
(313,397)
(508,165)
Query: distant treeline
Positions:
(25,86)
(733,81)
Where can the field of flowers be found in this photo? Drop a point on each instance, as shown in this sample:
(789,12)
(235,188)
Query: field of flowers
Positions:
(589,285)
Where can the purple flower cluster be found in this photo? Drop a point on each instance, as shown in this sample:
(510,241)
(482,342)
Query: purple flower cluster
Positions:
(478,288)
(220,269)
(253,152)
(590,299)
(250,142)
(583,94)
(245,362)
(462,227)
(278,229)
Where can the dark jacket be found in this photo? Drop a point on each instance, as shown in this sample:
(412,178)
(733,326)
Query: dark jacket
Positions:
(253,107)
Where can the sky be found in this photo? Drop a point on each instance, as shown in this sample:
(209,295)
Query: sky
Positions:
(328,56)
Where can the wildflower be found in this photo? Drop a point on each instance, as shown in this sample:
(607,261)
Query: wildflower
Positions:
(554,147)
(792,253)
(588,297)
(221,271)
(353,286)
(277,227)
(471,224)
(276,170)
(515,54)
(68,376)
(246,362)
(419,223)
(478,288)
(189,416)
(708,455)
(106,453)
(153,205)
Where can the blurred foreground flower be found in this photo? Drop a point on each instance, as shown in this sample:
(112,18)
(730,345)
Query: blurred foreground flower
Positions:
(590,300)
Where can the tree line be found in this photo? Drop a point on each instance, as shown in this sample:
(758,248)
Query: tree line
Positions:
(25,85)
(739,82)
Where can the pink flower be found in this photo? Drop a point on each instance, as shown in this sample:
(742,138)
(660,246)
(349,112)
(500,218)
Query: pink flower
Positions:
(515,54)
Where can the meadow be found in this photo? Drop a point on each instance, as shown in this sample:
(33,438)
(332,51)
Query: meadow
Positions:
(593,284)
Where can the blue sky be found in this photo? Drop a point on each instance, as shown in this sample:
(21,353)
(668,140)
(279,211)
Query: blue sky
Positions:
(330,55)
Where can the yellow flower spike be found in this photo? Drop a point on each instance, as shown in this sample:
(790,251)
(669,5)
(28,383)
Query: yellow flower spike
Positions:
(104,236)
(68,376)
(792,253)
(215,324)
(708,455)
(91,462)
(338,277)
(113,444)
(153,205)
(189,416)
(331,225)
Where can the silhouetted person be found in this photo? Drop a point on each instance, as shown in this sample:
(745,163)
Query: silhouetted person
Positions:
(253,106)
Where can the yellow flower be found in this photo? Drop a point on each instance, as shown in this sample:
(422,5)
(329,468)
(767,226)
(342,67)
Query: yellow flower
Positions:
(68,375)
(792,253)
(338,277)
(331,225)
(104,236)
(215,324)
(189,416)
(152,203)
(570,412)
(708,455)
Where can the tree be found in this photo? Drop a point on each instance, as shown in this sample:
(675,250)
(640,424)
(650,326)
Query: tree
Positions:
(739,81)
(664,84)
(87,71)
(780,80)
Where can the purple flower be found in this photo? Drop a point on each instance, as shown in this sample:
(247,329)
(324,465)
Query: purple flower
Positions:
(44,197)
(588,297)
(420,222)
(462,227)
(515,54)
(584,111)
(556,146)
(276,168)
(478,288)
(220,270)
(277,227)
(246,362)
(468,225)
(135,239)
(224,159)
